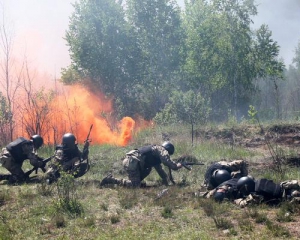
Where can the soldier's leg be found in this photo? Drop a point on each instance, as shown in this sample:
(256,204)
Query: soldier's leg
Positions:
(145,172)
(238,166)
(18,174)
(13,167)
(109,179)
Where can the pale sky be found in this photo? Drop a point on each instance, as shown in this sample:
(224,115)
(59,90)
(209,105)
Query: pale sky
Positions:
(39,27)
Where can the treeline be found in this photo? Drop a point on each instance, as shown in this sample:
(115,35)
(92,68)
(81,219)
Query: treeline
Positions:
(201,63)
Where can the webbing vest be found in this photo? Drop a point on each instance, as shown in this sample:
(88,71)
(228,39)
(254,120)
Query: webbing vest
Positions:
(16,150)
(149,158)
(268,188)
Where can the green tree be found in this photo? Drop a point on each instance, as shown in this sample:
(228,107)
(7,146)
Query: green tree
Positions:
(222,59)
(157,28)
(188,107)
(102,48)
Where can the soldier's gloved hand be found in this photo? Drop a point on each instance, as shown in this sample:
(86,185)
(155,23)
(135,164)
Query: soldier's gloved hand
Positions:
(41,164)
(179,165)
(86,144)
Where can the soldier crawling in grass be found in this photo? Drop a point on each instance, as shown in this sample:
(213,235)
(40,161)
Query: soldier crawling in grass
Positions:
(15,153)
(138,164)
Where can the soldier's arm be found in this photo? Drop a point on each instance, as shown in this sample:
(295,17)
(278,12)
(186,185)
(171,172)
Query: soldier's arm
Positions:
(165,157)
(162,174)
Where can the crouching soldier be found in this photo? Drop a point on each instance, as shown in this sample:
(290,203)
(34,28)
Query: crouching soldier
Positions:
(67,158)
(138,164)
(222,171)
(16,152)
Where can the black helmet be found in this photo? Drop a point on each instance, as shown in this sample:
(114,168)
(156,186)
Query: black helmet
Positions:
(169,147)
(220,176)
(37,140)
(246,185)
(68,141)
(219,196)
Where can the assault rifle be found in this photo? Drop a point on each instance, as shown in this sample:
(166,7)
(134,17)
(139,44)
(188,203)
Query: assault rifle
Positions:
(86,145)
(27,174)
(186,161)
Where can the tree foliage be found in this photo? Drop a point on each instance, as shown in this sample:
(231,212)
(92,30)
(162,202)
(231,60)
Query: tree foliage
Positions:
(141,51)
(224,58)
(187,107)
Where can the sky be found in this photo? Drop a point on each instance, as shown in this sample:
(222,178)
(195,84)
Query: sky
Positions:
(39,26)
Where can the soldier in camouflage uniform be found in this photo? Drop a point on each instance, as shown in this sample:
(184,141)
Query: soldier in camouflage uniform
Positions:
(222,171)
(67,158)
(138,164)
(247,190)
(16,152)
(269,192)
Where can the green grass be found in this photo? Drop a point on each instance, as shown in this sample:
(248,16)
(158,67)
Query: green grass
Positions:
(83,210)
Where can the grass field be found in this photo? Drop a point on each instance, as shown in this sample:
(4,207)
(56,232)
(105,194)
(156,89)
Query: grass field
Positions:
(81,209)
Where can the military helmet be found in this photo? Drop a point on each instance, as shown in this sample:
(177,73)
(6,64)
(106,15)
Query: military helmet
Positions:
(69,141)
(219,196)
(169,147)
(246,185)
(220,176)
(37,140)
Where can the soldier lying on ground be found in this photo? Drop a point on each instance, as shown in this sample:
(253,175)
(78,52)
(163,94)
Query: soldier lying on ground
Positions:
(247,190)
(138,164)
(67,158)
(267,191)
(222,171)
(16,152)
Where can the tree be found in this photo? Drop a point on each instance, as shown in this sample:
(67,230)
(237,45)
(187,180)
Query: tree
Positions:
(157,27)
(102,49)
(10,76)
(267,64)
(187,107)
(129,53)
(222,61)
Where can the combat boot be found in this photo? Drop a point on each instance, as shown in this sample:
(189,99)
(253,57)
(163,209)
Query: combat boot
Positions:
(109,179)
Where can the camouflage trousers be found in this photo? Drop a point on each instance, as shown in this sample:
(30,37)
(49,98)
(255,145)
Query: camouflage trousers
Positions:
(236,166)
(8,162)
(134,166)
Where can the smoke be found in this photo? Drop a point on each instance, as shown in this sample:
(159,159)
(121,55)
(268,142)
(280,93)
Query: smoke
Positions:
(74,109)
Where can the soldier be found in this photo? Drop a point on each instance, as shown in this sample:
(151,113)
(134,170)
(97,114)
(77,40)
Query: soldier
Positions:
(67,158)
(138,164)
(246,190)
(222,171)
(264,190)
(16,152)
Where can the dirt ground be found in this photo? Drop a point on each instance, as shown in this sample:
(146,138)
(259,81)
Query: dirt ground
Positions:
(268,141)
